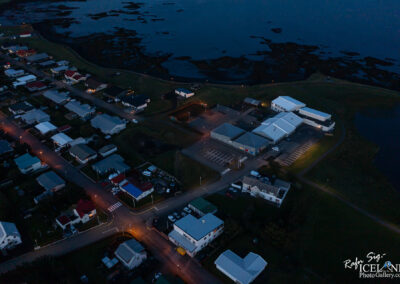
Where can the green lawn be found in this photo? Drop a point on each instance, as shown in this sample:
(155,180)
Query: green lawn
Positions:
(305,241)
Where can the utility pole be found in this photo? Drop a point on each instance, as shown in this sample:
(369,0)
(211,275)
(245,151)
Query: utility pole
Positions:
(152,200)
(200,180)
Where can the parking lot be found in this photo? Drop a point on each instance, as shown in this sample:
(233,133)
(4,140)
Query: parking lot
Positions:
(213,154)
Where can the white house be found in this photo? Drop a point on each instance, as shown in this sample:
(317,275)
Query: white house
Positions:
(286,103)
(74,76)
(262,187)
(184,93)
(12,73)
(83,213)
(9,236)
(131,253)
(61,139)
(240,270)
(192,234)
(45,127)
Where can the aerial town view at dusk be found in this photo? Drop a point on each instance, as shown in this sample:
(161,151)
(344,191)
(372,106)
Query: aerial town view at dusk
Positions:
(199,141)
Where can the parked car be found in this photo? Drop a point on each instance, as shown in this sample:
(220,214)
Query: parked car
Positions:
(146,173)
(176,215)
(187,210)
(135,121)
(171,218)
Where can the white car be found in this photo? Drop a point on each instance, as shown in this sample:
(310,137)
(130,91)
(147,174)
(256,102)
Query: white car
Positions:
(171,218)
(135,121)
(146,173)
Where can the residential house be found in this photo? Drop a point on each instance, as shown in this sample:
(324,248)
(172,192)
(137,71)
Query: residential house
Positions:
(84,111)
(22,81)
(85,210)
(82,153)
(192,234)
(94,85)
(240,270)
(27,163)
(56,96)
(25,53)
(131,253)
(252,102)
(25,34)
(113,163)
(9,236)
(35,86)
(264,188)
(107,124)
(5,147)
(114,92)
(137,102)
(45,127)
(35,116)
(61,139)
(202,207)
(74,76)
(184,93)
(50,181)
(108,150)
(12,73)
(20,108)
(37,57)
(135,189)
(59,69)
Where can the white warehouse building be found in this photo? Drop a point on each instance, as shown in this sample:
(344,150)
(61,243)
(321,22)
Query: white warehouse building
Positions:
(286,103)
(317,119)
(278,127)
(194,234)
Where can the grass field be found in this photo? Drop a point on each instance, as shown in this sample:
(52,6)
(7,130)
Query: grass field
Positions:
(306,240)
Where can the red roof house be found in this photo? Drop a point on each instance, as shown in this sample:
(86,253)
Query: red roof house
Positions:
(35,86)
(85,210)
(25,53)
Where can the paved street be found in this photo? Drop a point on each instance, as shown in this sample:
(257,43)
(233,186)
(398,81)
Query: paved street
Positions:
(123,219)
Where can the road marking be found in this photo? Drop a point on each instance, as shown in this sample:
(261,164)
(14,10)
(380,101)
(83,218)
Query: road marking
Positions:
(114,206)
(225,171)
(158,209)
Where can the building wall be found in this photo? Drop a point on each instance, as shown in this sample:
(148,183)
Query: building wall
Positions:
(255,192)
(202,243)
(33,168)
(220,137)
(10,241)
(319,126)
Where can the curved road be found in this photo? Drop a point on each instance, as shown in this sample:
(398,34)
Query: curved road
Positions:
(123,219)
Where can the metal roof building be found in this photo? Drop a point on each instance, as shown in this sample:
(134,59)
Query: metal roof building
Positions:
(61,139)
(286,103)
(202,206)
(5,147)
(131,253)
(240,270)
(315,114)
(35,116)
(82,153)
(226,133)
(279,126)
(82,110)
(250,143)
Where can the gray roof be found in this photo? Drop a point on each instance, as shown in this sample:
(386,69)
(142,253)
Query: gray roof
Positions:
(128,249)
(37,57)
(82,151)
(35,115)
(252,101)
(26,161)
(5,147)
(228,130)
(8,229)
(82,110)
(50,180)
(262,186)
(56,96)
(252,140)
(198,228)
(112,163)
(243,270)
(106,123)
(107,148)
(21,107)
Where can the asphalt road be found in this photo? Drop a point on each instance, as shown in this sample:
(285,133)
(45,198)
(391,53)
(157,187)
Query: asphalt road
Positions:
(123,218)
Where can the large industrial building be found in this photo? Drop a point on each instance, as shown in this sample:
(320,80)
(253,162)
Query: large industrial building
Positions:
(312,117)
(279,127)
(226,133)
